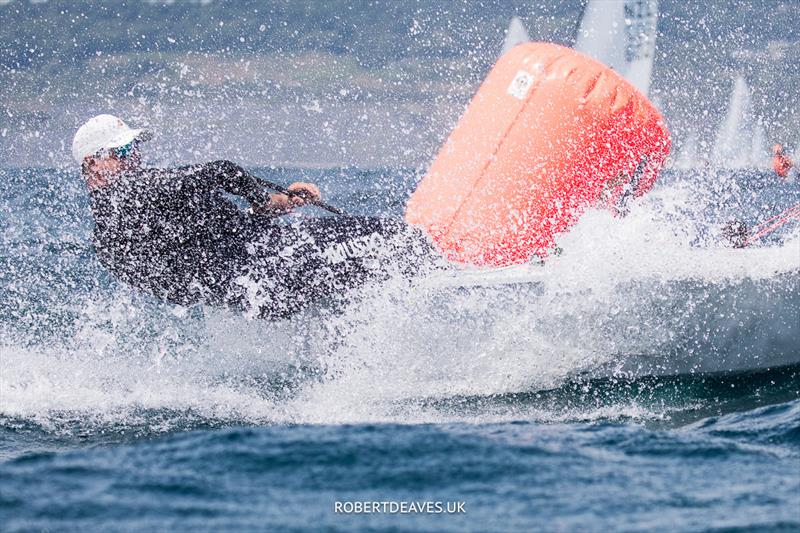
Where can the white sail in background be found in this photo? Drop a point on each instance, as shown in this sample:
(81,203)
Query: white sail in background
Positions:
(515,34)
(621,34)
(643,17)
(688,154)
(734,129)
(602,33)
(741,140)
(759,154)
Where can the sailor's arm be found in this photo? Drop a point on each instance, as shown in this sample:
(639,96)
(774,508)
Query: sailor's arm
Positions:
(236,180)
(282,203)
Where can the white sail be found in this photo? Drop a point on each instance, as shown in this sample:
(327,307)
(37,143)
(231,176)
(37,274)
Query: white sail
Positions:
(515,34)
(794,149)
(759,156)
(641,51)
(688,154)
(733,147)
(602,33)
(621,34)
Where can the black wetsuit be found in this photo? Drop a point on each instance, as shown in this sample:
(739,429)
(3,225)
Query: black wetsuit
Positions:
(175,234)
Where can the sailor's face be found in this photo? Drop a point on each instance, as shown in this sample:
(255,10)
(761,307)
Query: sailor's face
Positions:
(106,165)
(100,170)
(112,162)
(132,160)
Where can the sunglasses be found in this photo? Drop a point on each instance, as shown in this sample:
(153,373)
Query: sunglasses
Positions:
(121,152)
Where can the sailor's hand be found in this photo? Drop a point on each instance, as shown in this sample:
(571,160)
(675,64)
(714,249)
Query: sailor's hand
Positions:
(280,204)
(303,193)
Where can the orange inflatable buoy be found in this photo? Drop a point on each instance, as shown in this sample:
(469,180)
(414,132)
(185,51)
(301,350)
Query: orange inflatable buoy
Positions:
(550,133)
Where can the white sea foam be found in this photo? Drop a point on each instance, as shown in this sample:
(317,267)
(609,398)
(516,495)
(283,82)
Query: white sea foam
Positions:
(627,295)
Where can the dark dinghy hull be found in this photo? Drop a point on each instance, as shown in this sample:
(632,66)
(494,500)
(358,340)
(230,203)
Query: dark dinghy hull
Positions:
(321,260)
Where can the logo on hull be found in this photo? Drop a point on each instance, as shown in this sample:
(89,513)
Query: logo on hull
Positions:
(354,248)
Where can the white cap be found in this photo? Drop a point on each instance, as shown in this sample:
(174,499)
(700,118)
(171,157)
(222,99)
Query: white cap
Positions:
(101,133)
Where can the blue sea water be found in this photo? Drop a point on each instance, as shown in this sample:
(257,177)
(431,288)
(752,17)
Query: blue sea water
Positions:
(648,378)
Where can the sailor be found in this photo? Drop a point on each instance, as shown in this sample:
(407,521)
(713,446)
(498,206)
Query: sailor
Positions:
(781,161)
(176,233)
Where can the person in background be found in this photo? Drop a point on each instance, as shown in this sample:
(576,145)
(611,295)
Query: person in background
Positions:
(781,161)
